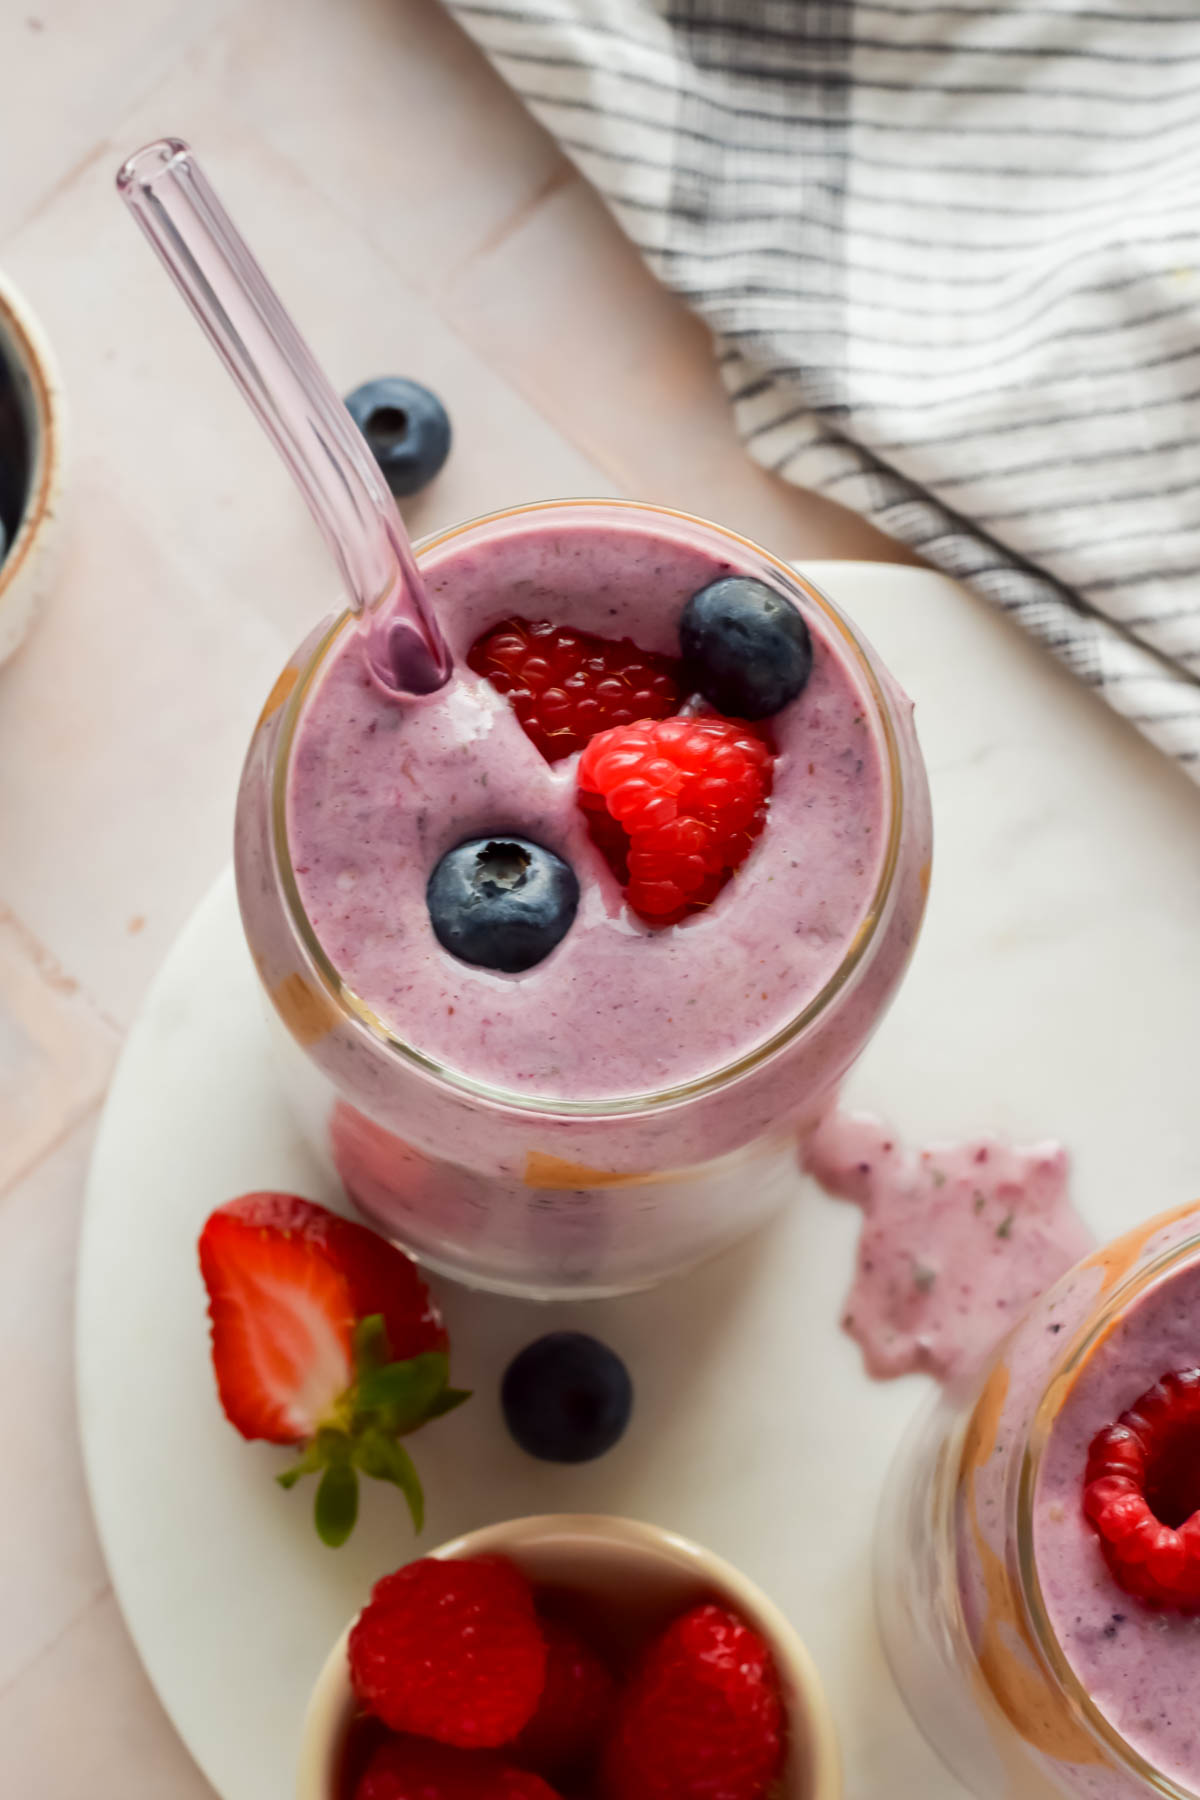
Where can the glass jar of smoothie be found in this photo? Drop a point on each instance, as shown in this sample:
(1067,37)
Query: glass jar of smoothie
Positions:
(632,1103)
(1017,1643)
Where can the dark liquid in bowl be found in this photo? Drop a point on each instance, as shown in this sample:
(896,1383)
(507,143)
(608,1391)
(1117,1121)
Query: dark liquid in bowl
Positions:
(14,455)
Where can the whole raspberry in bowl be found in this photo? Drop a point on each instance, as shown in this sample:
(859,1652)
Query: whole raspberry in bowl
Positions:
(643,1633)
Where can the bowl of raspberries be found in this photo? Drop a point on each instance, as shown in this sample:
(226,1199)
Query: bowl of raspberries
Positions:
(568,1658)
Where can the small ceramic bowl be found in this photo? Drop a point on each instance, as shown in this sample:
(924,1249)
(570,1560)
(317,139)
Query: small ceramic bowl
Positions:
(32,455)
(658,1575)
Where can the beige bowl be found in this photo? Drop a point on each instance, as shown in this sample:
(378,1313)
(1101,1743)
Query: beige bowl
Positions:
(29,371)
(660,1574)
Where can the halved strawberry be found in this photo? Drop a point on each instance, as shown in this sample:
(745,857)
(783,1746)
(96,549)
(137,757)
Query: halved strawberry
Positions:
(323,1335)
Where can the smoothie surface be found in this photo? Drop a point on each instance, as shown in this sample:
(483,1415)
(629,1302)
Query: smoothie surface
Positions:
(1141,1667)
(379,791)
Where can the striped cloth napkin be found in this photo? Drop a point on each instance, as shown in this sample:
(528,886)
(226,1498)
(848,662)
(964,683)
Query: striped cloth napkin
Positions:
(951,256)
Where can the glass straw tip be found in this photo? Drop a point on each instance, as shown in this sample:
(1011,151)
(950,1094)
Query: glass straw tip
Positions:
(152,160)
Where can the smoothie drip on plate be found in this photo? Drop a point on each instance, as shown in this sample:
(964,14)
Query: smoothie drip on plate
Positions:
(957,1240)
(379,792)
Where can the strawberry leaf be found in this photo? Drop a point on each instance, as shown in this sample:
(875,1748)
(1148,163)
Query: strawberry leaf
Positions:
(386,1460)
(336,1506)
(447,1401)
(371,1348)
(388,1400)
(404,1391)
(312,1459)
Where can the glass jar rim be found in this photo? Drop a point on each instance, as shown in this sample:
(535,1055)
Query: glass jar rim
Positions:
(356,1012)
(1069,1365)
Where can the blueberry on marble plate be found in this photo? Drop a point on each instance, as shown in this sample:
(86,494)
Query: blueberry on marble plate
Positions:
(567,1397)
(502,902)
(747,647)
(407,429)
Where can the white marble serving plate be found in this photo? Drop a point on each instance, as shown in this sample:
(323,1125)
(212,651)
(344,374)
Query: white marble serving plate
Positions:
(1056,992)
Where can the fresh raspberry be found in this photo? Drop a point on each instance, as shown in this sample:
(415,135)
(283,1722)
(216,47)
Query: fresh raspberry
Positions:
(574,1709)
(1142,1494)
(702,1718)
(451,1650)
(415,1769)
(675,807)
(566,685)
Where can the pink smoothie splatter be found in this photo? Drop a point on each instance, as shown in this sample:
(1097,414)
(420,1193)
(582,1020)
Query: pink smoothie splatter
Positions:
(957,1240)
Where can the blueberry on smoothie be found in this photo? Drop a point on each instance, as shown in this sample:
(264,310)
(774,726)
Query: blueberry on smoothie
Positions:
(407,428)
(567,1397)
(748,649)
(501,903)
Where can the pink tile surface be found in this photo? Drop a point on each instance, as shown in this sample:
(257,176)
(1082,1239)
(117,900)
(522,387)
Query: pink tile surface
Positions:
(51,1569)
(56,1051)
(70,68)
(440,156)
(82,1720)
(122,726)
(418,223)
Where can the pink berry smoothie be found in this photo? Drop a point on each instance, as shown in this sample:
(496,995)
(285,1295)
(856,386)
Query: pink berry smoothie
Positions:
(379,792)
(1021,1656)
(1141,1667)
(634,1099)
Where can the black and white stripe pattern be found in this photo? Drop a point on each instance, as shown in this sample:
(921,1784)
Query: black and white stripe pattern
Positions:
(952,256)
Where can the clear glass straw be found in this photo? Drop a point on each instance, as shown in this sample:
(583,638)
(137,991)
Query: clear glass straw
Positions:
(168,194)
